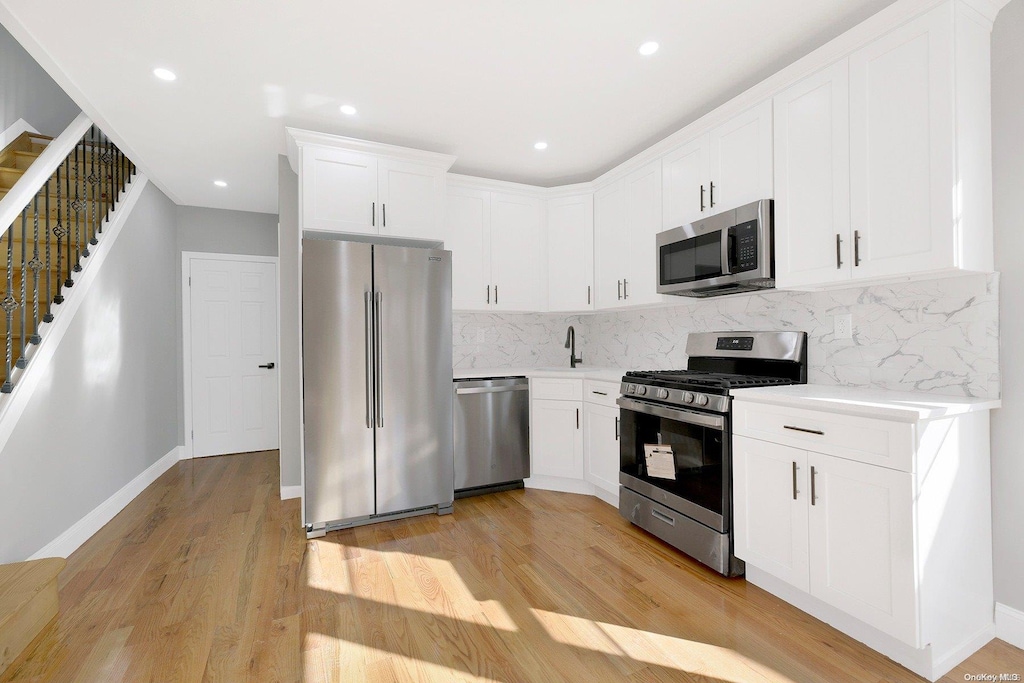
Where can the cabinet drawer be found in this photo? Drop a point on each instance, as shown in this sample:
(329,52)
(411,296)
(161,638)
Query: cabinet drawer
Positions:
(867,440)
(556,389)
(601,393)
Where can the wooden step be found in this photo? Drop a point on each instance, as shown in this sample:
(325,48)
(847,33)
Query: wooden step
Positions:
(23,160)
(9,176)
(28,603)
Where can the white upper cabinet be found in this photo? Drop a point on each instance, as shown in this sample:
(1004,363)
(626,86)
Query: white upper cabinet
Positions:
(686,175)
(611,244)
(367,188)
(339,190)
(741,159)
(468,237)
(812,180)
(643,222)
(901,149)
(518,267)
(411,199)
(570,236)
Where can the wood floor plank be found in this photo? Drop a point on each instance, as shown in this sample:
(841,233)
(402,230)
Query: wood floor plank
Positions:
(208,576)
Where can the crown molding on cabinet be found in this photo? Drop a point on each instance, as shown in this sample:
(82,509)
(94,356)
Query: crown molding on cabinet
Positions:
(489,184)
(297,138)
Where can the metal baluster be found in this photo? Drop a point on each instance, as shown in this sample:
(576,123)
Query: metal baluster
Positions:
(24,285)
(35,265)
(90,192)
(108,178)
(48,316)
(68,282)
(96,188)
(9,304)
(80,197)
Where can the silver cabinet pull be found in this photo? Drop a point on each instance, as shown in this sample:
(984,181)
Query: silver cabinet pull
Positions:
(814,495)
(794,480)
(625,288)
(577,418)
(380,363)
(369,358)
(373,214)
(488,295)
(616,429)
(839,251)
(588,295)
(620,290)
(702,197)
(712,195)
(663,517)
(495,295)
(804,430)
(856,247)
(384,214)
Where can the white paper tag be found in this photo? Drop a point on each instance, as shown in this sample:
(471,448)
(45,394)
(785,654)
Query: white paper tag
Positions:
(660,461)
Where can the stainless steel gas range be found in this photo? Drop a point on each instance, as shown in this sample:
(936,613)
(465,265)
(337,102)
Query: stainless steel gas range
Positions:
(675,453)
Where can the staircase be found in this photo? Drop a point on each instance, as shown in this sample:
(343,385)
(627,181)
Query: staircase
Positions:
(63,211)
(28,603)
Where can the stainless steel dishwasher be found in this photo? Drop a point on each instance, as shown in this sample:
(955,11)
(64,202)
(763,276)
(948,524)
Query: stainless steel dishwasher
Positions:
(492,434)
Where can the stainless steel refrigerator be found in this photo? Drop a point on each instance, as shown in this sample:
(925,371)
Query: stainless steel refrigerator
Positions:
(377,382)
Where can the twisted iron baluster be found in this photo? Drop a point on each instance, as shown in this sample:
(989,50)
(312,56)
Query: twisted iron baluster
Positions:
(80,203)
(48,316)
(24,284)
(108,179)
(9,304)
(67,228)
(95,188)
(89,191)
(35,265)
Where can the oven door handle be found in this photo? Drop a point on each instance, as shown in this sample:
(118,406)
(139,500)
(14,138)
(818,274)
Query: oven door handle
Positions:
(687,416)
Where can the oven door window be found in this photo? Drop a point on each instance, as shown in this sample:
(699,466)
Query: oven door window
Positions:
(698,258)
(697,452)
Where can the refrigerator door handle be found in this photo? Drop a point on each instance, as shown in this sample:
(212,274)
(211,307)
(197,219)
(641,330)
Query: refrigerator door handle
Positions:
(380,363)
(368,320)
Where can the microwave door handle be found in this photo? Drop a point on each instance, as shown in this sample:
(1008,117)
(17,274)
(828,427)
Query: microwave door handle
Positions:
(726,269)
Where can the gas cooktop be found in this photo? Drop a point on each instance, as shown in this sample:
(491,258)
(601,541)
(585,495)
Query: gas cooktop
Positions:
(681,379)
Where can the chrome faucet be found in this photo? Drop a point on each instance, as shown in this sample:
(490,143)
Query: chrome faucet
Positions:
(570,343)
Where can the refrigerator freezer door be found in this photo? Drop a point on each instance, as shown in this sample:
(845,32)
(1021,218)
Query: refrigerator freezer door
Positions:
(338,421)
(415,453)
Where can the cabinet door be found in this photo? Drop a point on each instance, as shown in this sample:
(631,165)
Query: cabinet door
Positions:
(570,236)
(685,175)
(862,543)
(601,446)
(741,159)
(556,435)
(411,199)
(518,266)
(812,180)
(339,190)
(902,185)
(770,501)
(467,234)
(611,245)
(643,220)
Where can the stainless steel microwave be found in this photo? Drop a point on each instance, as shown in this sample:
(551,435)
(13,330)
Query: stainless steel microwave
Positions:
(727,253)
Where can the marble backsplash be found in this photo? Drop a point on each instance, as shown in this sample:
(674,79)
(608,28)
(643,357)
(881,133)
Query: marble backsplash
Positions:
(939,336)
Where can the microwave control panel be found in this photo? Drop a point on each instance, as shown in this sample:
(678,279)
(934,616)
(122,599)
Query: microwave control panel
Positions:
(744,247)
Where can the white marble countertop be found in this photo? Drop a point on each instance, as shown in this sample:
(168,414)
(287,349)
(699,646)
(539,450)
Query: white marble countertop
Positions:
(582,372)
(867,402)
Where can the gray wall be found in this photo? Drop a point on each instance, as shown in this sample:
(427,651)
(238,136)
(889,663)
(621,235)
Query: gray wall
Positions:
(1008,180)
(217,231)
(27,92)
(291,420)
(105,409)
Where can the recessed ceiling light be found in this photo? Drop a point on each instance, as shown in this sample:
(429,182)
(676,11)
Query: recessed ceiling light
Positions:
(220,183)
(348,110)
(540,145)
(164,74)
(648,48)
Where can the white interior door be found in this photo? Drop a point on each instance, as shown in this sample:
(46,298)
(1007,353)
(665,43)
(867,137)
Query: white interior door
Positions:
(233,332)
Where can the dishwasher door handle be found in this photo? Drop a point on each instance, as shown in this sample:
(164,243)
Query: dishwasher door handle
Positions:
(491,390)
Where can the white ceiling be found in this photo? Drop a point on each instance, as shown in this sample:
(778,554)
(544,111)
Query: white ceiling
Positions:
(480,79)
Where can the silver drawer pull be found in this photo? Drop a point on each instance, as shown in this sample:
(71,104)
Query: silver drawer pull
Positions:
(663,517)
(805,431)
(600,393)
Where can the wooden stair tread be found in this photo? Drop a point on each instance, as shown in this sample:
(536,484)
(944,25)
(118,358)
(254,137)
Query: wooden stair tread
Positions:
(21,581)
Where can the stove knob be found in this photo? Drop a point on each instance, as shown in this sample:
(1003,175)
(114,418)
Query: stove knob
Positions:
(630,388)
(662,393)
(702,400)
(641,390)
(688,397)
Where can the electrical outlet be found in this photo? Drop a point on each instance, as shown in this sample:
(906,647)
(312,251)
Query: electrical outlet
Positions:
(843,326)
(480,337)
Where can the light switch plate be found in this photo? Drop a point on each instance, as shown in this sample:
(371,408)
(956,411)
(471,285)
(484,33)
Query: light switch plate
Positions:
(843,326)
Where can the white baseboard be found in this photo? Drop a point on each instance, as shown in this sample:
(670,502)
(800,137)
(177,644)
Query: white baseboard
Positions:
(610,498)
(1010,625)
(562,484)
(13,131)
(291,492)
(69,541)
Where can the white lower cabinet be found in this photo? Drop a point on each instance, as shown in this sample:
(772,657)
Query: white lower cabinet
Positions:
(601,438)
(556,436)
(893,551)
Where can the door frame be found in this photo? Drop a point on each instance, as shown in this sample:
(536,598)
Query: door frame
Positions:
(186,333)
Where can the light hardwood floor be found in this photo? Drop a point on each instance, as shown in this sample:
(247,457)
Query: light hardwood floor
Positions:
(207,576)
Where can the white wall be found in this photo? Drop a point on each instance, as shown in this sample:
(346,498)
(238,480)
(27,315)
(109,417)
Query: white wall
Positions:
(27,92)
(1008,182)
(105,409)
(288,208)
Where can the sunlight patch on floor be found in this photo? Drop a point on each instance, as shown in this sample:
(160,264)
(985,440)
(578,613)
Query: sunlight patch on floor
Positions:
(691,656)
(363,663)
